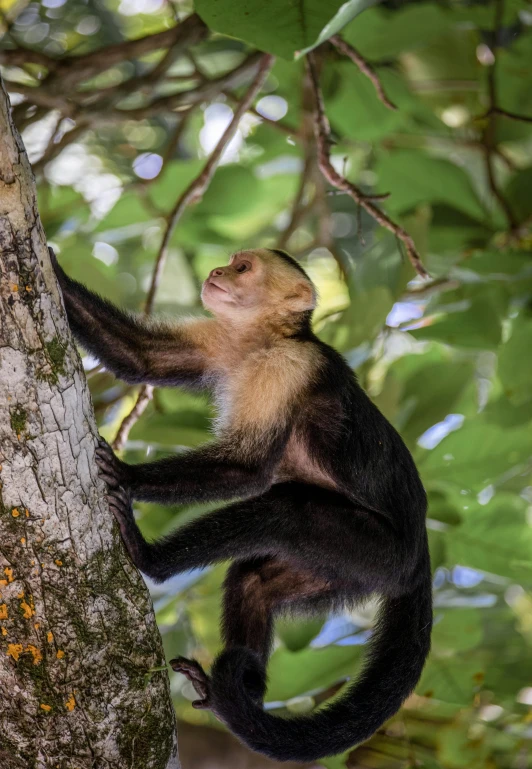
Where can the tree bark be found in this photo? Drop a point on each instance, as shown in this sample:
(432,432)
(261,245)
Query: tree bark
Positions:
(80,684)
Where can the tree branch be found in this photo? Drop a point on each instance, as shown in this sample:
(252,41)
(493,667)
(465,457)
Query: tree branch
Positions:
(192,194)
(70,70)
(489,138)
(364,66)
(322,133)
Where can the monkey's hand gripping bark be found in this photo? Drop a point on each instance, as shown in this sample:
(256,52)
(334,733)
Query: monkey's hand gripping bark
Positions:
(115,474)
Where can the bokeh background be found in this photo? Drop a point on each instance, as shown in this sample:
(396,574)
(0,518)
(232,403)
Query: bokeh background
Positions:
(448,359)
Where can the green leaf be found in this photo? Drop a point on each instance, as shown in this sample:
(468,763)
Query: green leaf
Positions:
(346,13)
(479,327)
(475,456)
(495,538)
(281,27)
(294,673)
(458,630)
(515,363)
(413,178)
(519,193)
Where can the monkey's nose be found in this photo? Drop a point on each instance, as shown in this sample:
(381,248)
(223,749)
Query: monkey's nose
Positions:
(216,273)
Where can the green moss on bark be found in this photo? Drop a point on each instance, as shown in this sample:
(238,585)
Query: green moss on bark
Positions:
(18,418)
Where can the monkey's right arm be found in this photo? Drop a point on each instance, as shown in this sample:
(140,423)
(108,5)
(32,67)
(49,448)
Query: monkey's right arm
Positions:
(135,349)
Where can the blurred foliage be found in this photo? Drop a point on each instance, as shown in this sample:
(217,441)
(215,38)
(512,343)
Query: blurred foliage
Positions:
(449,361)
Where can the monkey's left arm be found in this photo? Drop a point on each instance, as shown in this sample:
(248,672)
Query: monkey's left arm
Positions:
(219,471)
(136,349)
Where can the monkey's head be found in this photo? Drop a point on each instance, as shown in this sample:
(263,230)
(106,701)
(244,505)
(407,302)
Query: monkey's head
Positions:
(259,282)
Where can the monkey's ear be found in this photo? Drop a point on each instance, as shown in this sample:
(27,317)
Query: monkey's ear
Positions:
(302,298)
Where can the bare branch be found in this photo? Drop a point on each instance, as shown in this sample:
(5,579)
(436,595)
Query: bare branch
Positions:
(365,67)
(322,131)
(505,113)
(192,194)
(71,70)
(489,142)
(144,397)
(298,208)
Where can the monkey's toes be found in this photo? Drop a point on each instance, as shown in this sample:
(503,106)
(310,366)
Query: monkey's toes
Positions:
(120,503)
(197,677)
(109,466)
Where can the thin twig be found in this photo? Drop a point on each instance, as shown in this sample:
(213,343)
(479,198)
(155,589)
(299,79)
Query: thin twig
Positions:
(70,70)
(365,67)
(143,398)
(278,124)
(196,189)
(489,136)
(508,114)
(322,131)
(192,194)
(298,207)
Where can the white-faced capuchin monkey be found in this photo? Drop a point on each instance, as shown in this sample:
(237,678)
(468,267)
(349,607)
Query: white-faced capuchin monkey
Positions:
(330,509)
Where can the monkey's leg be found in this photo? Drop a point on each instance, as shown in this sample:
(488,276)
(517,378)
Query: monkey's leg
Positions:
(254,591)
(309,528)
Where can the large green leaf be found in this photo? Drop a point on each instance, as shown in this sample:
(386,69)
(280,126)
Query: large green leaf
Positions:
(495,537)
(479,327)
(476,455)
(515,362)
(282,27)
(413,178)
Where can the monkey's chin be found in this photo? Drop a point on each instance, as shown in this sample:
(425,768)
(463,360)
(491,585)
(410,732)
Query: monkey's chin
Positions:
(215,299)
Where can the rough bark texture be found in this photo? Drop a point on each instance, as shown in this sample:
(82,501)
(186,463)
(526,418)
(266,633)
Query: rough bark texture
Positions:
(78,640)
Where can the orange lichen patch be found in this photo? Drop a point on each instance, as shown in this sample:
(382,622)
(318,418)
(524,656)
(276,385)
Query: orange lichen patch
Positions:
(14,288)
(28,288)
(60,654)
(58,562)
(21,594)
(3,582)
(3,611)
(15,513)
(3,631)
(35,652)
(46,708)
(9,573)
(32,563)
(37,625)
(23,540)
(14,650)
(27,513)
(27,610)
(70,704)
(50,637)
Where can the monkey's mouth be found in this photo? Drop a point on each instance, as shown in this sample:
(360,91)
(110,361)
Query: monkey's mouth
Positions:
(211,282)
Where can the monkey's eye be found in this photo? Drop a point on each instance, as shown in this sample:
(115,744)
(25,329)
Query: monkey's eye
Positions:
(243,267)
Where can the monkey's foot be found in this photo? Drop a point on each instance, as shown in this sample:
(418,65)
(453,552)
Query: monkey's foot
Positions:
(119,500)
(197,677)
(112,470)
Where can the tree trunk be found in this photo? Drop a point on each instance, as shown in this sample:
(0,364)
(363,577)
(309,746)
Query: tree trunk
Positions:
(80,684)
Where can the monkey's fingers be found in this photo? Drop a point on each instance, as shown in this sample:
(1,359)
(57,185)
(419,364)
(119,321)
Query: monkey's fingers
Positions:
(197,677)
(120,507)
(201,704)
(122,496)
(110,480)
(109,470)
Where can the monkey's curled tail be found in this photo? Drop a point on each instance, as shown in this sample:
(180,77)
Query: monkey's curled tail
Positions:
(395,661)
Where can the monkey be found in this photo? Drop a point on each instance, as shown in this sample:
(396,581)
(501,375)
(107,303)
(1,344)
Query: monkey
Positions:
(323,504)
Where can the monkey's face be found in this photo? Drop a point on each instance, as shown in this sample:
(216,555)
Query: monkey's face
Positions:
(256,282)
